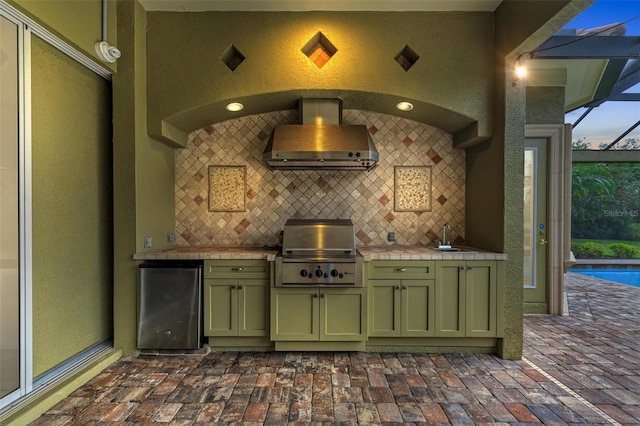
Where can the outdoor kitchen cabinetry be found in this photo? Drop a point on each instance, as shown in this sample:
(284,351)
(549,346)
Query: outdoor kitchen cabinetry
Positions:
(318,314)
(466,298)
(236,298)
(402,299)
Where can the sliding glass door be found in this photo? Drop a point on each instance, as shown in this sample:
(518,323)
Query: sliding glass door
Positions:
(10,330)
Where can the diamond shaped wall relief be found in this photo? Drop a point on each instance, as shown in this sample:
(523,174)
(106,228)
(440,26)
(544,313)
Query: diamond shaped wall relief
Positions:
(319,49)
(407,57)
(232,57)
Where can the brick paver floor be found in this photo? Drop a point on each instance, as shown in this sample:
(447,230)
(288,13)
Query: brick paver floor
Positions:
(578,369)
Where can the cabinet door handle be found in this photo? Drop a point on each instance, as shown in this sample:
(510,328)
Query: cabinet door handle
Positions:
(461,268)
(315,296)
(469,268)
(400,269)
(397,287)
(321,296)
(404,287)
(237,269)
(239,287)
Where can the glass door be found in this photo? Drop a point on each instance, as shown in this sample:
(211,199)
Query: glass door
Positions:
(535,226)
(10,354)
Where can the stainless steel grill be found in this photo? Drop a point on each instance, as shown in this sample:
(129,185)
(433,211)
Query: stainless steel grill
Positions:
(319,252)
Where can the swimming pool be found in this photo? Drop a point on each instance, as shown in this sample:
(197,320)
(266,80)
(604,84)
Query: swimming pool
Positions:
(624,274)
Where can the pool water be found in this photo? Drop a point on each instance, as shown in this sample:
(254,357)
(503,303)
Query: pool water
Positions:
(629,275)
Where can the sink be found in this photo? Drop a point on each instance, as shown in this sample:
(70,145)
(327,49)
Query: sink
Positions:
(451,249)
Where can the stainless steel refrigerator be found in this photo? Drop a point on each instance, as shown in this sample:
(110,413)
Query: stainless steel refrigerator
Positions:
(170,305)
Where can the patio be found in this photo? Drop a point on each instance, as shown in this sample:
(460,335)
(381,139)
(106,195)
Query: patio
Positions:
(578,369)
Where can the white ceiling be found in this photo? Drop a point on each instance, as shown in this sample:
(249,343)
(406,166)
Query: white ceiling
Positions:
(321,5)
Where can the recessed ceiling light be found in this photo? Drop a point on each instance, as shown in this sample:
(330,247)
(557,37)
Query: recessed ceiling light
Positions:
(234,106)
(404,106)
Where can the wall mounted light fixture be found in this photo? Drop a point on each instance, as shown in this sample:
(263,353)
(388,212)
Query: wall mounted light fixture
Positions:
(520,68)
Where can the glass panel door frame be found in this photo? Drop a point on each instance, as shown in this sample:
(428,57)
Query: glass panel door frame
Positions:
(558,217)
(531,218)
(25,211)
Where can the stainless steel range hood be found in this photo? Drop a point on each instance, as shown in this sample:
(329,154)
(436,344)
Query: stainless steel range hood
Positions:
(321,141)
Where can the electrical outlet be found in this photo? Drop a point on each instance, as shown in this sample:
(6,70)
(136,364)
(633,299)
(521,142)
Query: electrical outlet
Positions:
(391,236)
(170,238)
(147,241)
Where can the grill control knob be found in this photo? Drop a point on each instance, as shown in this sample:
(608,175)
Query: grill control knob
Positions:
(334,273)
(303,273)
(319,273)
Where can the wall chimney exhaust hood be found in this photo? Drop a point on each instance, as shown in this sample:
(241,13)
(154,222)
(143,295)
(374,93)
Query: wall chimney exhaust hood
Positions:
(321,142)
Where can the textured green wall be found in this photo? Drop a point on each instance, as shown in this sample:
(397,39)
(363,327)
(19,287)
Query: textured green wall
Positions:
(79,22)
(451,83)
(495,174)
(148,206)
(545,105)
(72,207)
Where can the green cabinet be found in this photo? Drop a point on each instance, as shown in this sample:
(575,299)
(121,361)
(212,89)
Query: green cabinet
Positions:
(466,298)
(236,296)
(318,314)
(401,308)
(402,305)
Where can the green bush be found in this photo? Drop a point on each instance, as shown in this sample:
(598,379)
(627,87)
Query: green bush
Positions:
(623,251)
(633,232)
(588,250)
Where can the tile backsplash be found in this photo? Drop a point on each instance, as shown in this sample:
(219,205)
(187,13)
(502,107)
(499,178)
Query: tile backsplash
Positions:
(365,197)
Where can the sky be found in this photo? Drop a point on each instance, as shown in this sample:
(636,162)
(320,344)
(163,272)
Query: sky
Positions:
(607,122)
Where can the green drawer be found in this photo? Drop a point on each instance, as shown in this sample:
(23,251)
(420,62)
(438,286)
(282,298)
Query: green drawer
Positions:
(236,268)
(401,269)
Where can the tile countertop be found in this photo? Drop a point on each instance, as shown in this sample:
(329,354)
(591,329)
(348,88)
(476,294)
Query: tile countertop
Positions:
(208,253)
(393,252)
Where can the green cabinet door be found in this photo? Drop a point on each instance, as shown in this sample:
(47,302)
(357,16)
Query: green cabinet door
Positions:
(402,308)
(318,314)
(466,294)
(252,307)
(294,314)
(385,309)
(235,307)
(343,315)
(481,299)
(450,298)
(220,307)
(418,314)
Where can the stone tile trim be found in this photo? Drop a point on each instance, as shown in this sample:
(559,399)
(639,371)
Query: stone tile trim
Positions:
(571,392)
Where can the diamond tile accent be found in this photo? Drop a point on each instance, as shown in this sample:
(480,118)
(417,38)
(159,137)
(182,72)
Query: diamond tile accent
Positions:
(319,49)
(406,58)
(273,197)
(434,156)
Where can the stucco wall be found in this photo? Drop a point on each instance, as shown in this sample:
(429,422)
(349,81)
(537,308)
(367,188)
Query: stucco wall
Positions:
(189,84)
(545,105)
(79,22)
(72,207)
(143,174)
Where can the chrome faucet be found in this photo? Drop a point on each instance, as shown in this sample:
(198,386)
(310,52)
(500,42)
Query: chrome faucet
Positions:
(444,243)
